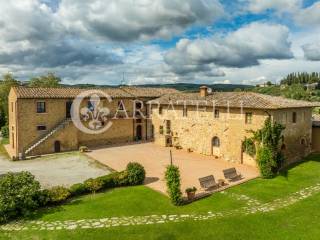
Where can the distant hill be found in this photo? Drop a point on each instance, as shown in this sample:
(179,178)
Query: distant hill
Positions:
(188,87)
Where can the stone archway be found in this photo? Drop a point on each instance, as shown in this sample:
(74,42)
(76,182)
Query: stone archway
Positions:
(215,146)
(139,133)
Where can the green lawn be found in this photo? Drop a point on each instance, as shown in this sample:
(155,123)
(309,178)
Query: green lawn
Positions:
(4,141)
(298,221)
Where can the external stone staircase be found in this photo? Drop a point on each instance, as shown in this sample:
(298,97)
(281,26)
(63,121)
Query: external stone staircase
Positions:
(42,139)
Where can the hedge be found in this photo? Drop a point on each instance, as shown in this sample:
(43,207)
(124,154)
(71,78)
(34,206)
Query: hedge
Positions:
(20,193)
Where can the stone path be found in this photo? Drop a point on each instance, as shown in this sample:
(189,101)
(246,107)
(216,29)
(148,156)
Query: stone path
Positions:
(253,206)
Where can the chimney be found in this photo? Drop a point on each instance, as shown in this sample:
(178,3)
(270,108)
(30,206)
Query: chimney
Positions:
(203,91)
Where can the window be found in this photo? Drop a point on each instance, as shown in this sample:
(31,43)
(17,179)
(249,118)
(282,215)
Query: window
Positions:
(138,105)
(11,106)
(168,126)
(294,117)
(303,141)
(120,106)
(41,128)
(216,113)
(160,110)
(216,142)
(248,118)
(185,111)
(41,107)
(161,130)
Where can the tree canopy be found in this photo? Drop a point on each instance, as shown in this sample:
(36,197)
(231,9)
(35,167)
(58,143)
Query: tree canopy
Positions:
(301,78)
(49,80)
(6,83)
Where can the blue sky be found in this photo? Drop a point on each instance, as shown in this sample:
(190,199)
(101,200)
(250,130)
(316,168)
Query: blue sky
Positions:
(160,41)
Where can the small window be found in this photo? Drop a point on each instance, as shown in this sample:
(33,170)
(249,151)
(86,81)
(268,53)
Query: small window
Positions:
(216,142)
(160,110)
(41,107)
(161,130)
(248,118)
(138,105)
(41,128)
(120,106)
(294,117)
(303,141)
(168,126)
(90,106)
(11,106)
(185,111)
(216,113)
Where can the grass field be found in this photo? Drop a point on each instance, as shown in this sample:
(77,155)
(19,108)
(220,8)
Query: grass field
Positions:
(300,220)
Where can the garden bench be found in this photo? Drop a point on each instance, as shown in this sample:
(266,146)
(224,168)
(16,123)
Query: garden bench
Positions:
(208,182)
(231,174)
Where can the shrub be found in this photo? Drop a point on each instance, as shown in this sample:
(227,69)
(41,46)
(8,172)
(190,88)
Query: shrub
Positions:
(108,181)
(121,179)
(189,190)
(58,194)
(249,147)
(93,185)
(136,173)
(172,177)
(266,162)
(5,131)
(43,197)
(18,195)
(78,189)
(83,149)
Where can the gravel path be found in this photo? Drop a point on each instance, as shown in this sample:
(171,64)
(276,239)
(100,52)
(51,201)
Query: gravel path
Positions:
(59,169)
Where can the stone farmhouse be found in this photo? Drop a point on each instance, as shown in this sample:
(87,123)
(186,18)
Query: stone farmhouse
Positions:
(217,123)
(210,123)
(39,119)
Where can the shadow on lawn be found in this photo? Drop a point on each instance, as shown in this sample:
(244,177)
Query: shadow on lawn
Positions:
(314,157)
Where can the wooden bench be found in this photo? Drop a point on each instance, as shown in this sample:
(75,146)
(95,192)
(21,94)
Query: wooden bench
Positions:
(231,174)
(208,182)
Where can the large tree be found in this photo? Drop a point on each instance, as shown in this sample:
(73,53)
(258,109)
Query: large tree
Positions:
(6,83)
(49,80)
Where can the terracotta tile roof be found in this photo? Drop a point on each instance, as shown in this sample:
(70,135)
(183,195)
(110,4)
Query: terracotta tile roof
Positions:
(234,100)
(127,92)
(149,91)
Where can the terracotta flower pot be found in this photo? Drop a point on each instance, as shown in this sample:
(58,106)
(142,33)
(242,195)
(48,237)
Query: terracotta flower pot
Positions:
(191,195)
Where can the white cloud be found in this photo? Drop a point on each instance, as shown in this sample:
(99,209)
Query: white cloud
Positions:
(242,48)
(127,20)
(258,6)
(312,51)
(309,16)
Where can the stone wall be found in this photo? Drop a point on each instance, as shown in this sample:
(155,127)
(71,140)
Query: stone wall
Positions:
(196,131)
(23,122)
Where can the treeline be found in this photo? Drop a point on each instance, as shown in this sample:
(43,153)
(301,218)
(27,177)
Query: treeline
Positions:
(8,81)
(301,78)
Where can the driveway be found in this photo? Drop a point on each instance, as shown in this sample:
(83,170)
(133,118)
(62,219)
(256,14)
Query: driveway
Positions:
(155,159)
(59,169)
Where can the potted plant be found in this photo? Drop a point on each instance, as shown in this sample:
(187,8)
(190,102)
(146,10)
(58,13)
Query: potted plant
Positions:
(191,192)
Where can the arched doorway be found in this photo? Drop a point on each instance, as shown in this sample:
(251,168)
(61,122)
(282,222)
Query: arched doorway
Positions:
(57,146)
(139,133)
(215,145)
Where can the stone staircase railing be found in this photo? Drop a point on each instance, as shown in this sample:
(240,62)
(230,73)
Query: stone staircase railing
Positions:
(55,129)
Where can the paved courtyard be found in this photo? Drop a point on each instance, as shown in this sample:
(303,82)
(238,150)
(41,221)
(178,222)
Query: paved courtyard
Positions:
(60,169)
(155,159)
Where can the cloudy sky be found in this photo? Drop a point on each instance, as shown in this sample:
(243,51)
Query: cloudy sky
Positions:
(159,41)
